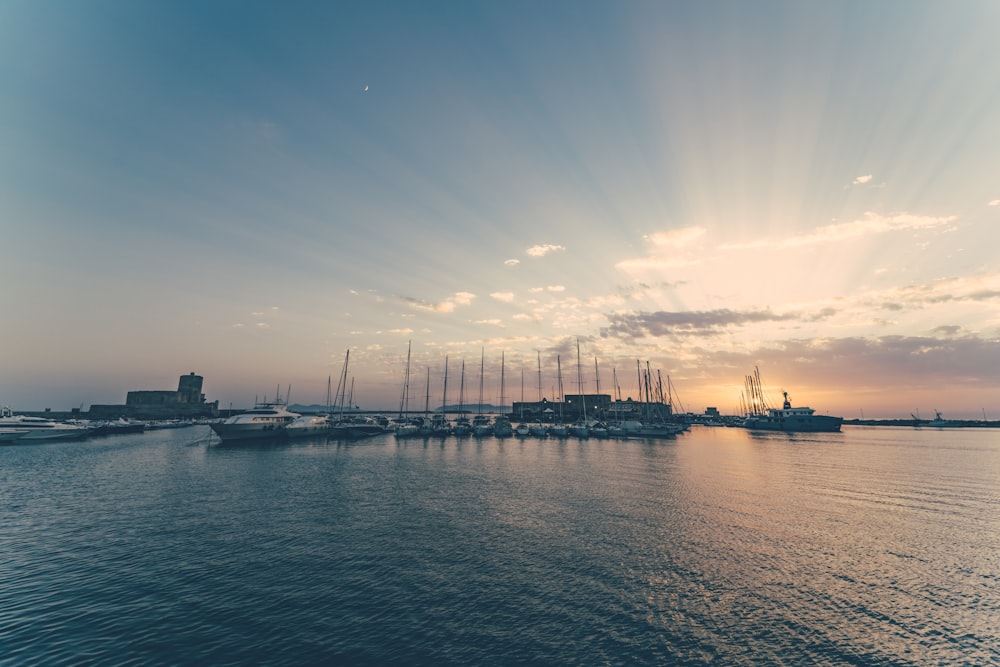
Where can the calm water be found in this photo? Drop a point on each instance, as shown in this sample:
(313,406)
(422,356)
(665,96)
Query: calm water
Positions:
(875,546)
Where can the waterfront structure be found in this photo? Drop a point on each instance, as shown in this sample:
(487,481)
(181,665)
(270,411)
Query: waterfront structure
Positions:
(187,402)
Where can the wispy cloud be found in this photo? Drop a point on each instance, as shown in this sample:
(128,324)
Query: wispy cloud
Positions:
(665,323)
(670,249)
(870,224)
(446,306)
(506,297)
(512,262)
(677,238)
(543,250)
(861,180)
(994,202)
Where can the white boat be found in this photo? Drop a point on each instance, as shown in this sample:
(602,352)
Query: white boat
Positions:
(11,434)
(306,425)
(39,428)
(265,420)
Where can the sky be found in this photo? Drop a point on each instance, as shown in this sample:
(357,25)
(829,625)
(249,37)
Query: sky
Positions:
(249,190)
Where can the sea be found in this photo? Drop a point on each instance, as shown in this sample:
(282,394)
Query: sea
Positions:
(872,546)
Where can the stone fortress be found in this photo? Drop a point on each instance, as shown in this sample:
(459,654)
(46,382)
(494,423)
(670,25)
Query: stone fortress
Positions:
(188,402)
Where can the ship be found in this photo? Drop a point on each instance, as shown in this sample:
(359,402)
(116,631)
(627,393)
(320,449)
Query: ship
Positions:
(791,419)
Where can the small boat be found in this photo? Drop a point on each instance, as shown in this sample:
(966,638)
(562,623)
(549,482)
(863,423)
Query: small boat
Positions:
(39,428)
(265,420)
(502,427)
(481,426)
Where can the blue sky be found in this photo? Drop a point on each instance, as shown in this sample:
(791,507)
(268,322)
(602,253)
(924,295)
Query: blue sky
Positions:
(248,190)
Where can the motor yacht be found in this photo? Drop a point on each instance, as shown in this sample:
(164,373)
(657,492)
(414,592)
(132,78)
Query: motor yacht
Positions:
(265,420)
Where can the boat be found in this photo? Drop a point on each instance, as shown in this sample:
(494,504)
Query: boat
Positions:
(406,427)
(937,422)
(440,426)
(267,419)
(580,427)
(307,425)
(40,428)
(559,429)
(11,434)
(502,427)
(119,426)
(481,426)
(462,425)
(791,419)
(633,428)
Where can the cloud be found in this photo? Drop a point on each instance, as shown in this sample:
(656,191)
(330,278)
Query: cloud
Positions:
(494,322)
(670,249)
(665,323)
(543,250)
(446,306)
(506,297)
(677,238)
(512,262)
(870,224)
(994,202)
(556,288)
(401,331)
(861,180)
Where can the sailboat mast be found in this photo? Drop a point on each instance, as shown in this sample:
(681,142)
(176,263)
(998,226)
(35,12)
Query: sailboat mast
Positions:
(562,396)
(501,384)
(461,391)
(482,367)
(427,395)
(444,392)
(539,376)
(404,400)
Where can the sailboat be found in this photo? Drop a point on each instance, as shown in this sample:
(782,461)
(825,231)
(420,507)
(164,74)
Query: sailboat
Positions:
(405,427)
(501,424)
(537,429)
(481,426)
(522,430)
(559,429)
(439,422)
(598,429)
(462,426)
(580,428)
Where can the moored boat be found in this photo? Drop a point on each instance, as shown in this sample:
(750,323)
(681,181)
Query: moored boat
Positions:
(11,434)
(792,419)
(307,425)
(265,420)
(39,428)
